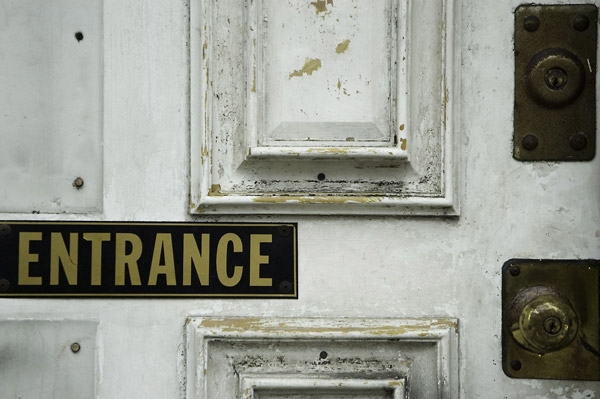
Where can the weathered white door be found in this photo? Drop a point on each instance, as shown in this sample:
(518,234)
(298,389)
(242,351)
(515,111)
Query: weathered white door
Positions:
(383,128)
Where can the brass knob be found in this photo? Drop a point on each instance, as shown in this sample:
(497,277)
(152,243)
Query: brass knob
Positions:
(542,320)
(555,78)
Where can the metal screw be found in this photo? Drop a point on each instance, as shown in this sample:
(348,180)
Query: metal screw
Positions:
(514,271)
(515,365)
(284,230)
(4,285)
(581,22)
(531,23)
(78,183)
(323,355)
(530,142)
(75,347)
(578,141)
(556,78)
(321,176)
(285,287)
(4,230)
(552,325)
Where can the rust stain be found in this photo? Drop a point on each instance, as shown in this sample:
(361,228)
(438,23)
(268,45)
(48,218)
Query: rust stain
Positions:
(321,5)
(403,144)
(349,138)
(310,65)
(253,90)
(342,47)
(402,126)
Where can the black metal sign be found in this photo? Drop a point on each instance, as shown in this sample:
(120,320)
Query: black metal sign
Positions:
(88,259)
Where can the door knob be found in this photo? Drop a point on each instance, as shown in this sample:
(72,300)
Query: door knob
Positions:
(542,320)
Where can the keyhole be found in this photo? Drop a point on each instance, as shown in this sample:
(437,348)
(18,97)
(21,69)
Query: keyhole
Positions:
(556,78)
(552,325)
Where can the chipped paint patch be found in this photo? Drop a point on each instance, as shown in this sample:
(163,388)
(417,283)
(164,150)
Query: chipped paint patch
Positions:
(321,5)
(342,47)
(215,190)
(310,65)
(403,144)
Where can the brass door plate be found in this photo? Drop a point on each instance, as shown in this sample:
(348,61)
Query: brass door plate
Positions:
(555,82)
(551,319)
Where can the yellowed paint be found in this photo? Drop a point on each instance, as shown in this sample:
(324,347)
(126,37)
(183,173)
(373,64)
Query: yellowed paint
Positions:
(310,65)
(395,384)
(339,85)
(403,144)
(267,326)
(204,51)
(342,47)
(316,199)
(253,90)
(321,5)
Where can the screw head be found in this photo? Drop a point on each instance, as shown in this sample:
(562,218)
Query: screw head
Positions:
(581,23)
(78,183)
(323,355)
(552,325)
(531,23)
(514,270)
(515,365)
(578,141)
(285,287)
(284,230)
(4,285)
(75,347)
(530,142)
(4,230)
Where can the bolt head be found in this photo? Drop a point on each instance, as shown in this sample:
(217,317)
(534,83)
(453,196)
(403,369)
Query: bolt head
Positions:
(515,365)
(555,79)
(578,141)
(78,182)
(514,271)
(581,23)
(531,23)
(530,142)
(75,347)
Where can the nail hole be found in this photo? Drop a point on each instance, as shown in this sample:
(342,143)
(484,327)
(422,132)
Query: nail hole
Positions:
(323,355)
(79,36)
(321,176)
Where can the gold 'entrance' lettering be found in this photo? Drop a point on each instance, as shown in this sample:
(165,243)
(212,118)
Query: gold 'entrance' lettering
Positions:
(130,259)
(256,259)
(96,239)
(25,258)
(162,245)
(60,255)
(191,254)
(222,247)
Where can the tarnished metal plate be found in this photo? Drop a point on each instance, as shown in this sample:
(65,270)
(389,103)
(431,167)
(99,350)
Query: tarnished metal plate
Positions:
(89,259)
(553,351)
(555,82)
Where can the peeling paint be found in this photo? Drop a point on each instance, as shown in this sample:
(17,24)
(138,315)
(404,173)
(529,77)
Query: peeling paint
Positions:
(261,325)
(316,199)
(310,65)
(342,47)
(321,5)
(215,190)
(403,144)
